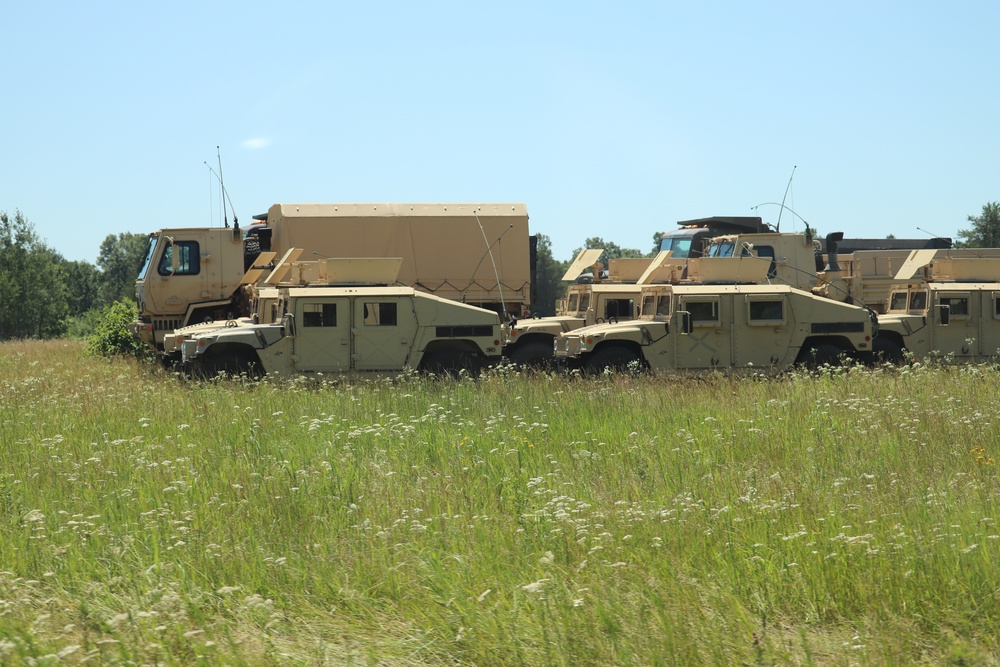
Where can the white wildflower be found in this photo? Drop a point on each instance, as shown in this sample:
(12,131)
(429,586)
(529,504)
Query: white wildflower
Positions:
(535,586)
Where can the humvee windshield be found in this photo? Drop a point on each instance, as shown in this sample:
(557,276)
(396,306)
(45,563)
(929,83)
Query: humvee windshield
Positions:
(648,304)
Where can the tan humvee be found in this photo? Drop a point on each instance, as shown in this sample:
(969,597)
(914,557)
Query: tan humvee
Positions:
(731,321)
(345,328)
(593,299)
(473,253)
(951,312)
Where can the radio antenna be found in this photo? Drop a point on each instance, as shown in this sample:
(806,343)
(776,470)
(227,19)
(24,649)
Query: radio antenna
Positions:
(784,208)
(787,188)
(225,193)
(489,251)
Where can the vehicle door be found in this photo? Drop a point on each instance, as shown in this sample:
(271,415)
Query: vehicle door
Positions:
(989,323)
(761,330)
(322,335)
(709,345)
(958,338)
(384,330)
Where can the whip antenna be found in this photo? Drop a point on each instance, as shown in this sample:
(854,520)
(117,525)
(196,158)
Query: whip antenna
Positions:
(489,251)
(225,193)
(787,188)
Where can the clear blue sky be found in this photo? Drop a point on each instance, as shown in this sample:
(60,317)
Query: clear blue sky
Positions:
(607,119)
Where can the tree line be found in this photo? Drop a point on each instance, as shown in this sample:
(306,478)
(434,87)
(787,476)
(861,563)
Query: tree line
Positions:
(44,295)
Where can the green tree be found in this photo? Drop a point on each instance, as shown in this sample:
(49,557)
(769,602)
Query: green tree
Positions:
(985,230)
(547,285)
(34,298)
(119,259)
(83,281)
(611,250)
(657,240)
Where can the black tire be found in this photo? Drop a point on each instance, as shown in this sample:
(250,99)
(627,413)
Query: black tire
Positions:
(616,359)
(451,363)
(887,351)
(823,354)
(231,364)
(533,354)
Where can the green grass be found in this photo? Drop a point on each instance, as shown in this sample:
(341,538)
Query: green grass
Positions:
(839,518)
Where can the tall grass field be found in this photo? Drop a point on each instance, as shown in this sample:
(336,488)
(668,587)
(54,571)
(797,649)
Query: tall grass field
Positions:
(841,517)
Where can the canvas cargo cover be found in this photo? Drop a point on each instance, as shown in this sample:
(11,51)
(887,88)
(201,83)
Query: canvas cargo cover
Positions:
(446,248)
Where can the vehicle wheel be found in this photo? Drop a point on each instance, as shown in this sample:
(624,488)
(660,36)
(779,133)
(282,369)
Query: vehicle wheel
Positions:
(452,363)
(887,351)
(824,354)
(231,364)
(534,354)
(616,359)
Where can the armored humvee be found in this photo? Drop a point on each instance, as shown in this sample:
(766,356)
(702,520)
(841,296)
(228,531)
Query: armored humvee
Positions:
(591,299)
(951,312)
(344,326)
(725,317)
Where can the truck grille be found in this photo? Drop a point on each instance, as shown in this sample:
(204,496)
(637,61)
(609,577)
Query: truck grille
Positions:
(838,327)
(166,325)
(465,331)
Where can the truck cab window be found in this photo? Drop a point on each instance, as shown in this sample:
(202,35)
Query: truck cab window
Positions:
(649,304)
(380,314)
(959,306)
(897,301)
(767,311)
(188,259)
(703,311)
(319,315)
(918,301)
(621,308)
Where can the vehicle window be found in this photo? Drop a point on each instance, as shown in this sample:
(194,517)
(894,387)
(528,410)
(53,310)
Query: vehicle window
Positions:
(149,257)
(769,311)
(681,247)
(621,308)
(648,304)
(188,259)
(959,305)
(319,315)
(723,249)
(663,306)
(767,251)
(897,301)
(918,301)
(584,301)
(380,314)
(703,311)
(573,303)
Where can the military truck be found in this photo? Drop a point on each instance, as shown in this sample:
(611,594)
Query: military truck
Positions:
(480,254)
(725,316)
(592,298)
(947,308)
(692,237)
(348,326)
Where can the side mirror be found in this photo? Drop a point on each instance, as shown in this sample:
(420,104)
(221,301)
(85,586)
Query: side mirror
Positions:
(944,314)
(288,325)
